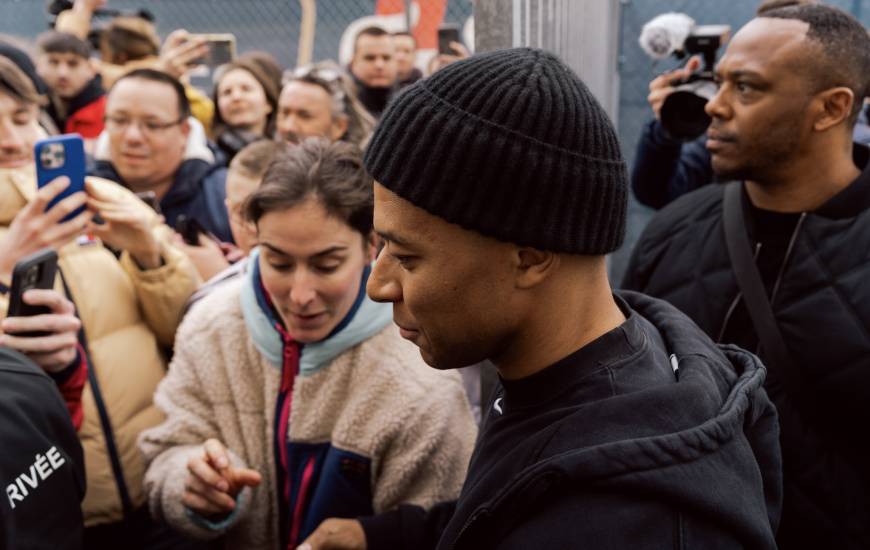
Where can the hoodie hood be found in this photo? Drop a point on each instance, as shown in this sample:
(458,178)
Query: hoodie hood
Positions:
(715,422)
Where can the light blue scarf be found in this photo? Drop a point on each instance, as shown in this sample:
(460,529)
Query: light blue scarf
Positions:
(366,319)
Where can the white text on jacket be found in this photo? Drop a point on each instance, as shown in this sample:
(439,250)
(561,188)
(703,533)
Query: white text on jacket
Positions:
(42,467)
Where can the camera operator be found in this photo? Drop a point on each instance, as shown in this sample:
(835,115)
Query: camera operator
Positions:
(665,168)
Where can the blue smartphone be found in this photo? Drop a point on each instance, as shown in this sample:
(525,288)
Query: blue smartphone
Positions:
(61,156)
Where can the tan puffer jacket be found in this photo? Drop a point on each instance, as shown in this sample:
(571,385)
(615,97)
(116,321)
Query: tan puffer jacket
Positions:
(128,315)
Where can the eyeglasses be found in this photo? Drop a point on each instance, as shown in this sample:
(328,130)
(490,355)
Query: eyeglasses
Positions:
(150,128)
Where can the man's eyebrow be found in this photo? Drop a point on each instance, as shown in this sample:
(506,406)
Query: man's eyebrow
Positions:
(392,238)
(742,73)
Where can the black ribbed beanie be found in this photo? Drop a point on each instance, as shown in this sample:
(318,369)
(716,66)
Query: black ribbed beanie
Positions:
(510,144)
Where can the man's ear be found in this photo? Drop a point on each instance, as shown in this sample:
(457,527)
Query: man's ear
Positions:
(338,127)
(534,266)
(184,125)
(836,106)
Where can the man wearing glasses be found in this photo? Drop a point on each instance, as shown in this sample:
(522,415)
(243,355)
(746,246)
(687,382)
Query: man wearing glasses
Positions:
(151,144)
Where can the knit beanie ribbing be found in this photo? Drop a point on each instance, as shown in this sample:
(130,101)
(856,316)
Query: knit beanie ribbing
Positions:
(510,144)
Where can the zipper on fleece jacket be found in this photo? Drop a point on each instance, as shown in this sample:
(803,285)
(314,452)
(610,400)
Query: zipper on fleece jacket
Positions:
(283,405)
(301,498)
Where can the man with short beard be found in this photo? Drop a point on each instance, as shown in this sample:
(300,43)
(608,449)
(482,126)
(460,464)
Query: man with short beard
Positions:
(792,83)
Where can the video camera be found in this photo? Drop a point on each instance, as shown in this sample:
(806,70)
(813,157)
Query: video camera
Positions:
(682,113)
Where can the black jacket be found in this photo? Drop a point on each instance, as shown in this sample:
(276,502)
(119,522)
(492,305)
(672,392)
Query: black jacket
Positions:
(610,448)
(41,462)
(822,307)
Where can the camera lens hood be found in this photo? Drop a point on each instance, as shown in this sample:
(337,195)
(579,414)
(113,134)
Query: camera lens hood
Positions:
(683,114)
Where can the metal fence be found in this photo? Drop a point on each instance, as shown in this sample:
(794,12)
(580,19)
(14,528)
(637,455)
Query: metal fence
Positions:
(270,25)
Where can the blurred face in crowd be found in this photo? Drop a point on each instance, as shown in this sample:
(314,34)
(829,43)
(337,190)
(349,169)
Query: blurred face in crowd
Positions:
(452,290)
(760,114)
(65,73)
(406,55)
(146,136)
(305,110)
(19,131)
(374,61)
(311,264)
(239,186)
(242,101)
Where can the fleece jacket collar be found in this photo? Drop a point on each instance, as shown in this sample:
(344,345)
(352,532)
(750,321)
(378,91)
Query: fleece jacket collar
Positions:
(365,319)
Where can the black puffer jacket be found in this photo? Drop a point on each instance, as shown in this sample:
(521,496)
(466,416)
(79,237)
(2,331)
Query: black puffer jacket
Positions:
(822,307)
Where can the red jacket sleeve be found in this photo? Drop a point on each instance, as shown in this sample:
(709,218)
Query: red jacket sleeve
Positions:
(71,383)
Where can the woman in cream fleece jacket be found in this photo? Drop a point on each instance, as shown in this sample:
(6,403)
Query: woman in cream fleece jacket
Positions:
(300,381)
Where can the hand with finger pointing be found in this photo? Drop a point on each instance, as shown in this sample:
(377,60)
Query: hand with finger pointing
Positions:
(213,484)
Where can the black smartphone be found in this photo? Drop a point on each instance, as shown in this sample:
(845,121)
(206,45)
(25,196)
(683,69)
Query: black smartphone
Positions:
(150,198)
(190,229)
(446,35)
(35,271)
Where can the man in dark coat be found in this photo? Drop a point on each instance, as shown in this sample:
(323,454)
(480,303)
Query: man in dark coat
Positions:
(617,423)
(792,86)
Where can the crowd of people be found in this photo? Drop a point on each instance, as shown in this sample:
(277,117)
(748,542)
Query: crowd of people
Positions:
(368,307)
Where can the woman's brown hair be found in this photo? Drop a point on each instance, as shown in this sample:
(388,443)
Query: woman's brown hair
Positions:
(331,173)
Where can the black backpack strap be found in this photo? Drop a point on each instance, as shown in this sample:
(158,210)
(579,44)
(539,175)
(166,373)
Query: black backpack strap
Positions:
(752,288)
(105,421)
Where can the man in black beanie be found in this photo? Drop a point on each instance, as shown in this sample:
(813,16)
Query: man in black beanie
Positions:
(617,422)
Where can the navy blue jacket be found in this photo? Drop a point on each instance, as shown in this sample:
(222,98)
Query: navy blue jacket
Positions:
(612,448)
(666,168)
(199,192)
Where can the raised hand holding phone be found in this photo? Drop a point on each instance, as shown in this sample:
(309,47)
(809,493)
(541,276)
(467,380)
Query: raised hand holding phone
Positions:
(34,228)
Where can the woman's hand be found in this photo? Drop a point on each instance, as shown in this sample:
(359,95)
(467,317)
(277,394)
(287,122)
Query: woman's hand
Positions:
(213,484)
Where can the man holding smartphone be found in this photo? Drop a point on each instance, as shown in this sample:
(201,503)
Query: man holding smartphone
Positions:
(129,308)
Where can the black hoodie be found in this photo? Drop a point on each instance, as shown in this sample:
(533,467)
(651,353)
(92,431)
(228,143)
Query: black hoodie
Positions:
(649,437)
